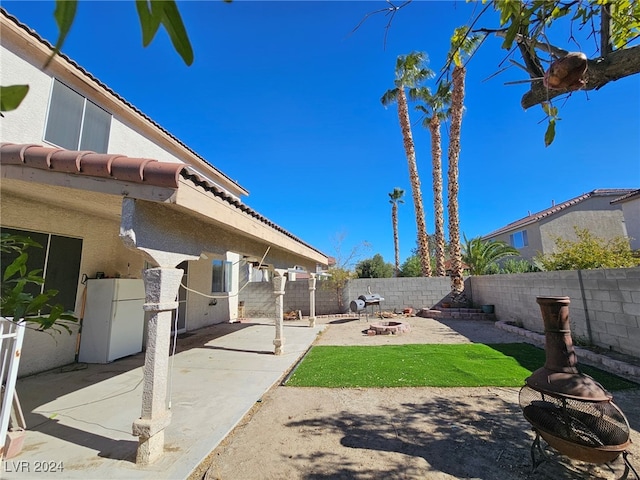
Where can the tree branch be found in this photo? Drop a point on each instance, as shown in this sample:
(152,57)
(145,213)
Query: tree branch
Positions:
(605,30)
(618,64)
(545,47)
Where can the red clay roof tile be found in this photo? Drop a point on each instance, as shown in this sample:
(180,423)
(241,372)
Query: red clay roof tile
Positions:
(118,167)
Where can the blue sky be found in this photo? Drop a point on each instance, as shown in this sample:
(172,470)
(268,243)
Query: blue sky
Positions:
(284,97)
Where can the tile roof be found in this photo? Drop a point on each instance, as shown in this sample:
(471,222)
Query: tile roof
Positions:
(93,79)
(536,217)
(117,167)
(120,167)
(629,196)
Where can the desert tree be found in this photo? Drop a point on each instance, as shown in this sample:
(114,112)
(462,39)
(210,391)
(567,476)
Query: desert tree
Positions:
(462,45)
(435,110)
(395,198)
(411,71)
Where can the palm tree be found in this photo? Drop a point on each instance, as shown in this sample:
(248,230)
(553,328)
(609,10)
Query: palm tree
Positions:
(396,198)
(410,72)
(435,110)
(480,255)
(462,45)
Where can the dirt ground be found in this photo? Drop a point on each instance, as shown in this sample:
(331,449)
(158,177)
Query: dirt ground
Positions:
(401,433)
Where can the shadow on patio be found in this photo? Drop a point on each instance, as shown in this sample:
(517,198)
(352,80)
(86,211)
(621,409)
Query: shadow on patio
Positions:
(81,415)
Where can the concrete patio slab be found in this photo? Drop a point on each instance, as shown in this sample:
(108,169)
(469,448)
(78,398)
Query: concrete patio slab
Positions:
(79,418)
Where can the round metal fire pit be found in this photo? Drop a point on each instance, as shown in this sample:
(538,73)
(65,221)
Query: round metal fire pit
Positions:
(593,432)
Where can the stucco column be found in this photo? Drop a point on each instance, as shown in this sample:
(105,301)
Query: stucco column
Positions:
(161,289)
(278,289)
(312,300)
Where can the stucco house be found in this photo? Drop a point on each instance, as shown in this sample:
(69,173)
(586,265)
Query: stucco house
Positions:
(595,211)
(630,204)
(110,193)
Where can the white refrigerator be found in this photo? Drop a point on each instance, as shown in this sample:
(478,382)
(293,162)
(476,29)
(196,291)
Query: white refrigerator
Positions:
(113,321)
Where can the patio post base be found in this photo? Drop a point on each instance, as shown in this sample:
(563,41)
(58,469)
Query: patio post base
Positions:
(150,449)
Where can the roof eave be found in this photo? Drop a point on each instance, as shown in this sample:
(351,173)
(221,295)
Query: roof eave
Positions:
(39,50)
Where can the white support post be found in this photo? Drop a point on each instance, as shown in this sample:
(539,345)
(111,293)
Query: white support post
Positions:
(312,300)
(279,281)
(161,288)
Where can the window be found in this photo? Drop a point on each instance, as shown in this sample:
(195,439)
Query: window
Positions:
(59,260)
(221,276)
(76,123)
(519,239)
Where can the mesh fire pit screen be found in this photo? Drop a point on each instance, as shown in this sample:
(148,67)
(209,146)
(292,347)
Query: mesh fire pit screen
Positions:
(572,412)
(588,426)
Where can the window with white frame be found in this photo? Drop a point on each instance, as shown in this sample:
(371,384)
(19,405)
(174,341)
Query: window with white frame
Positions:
(75,123)
(519,239)
(58,261)
(221,277)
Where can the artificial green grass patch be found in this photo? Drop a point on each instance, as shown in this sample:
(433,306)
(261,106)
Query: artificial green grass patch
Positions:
(419,365)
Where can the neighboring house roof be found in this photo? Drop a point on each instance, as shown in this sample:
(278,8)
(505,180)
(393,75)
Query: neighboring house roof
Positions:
(33,34)
(633,195)
(536,217)
(120,167)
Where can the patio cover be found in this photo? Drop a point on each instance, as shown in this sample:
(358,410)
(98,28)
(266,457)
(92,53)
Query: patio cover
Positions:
(170,214)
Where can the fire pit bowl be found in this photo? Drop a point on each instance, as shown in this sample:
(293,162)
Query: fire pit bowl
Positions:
(593,432)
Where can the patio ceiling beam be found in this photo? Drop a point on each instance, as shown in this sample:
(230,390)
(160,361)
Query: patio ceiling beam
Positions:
(195,233)
(251,229)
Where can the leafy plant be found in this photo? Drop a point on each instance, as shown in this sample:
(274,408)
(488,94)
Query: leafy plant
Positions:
(411,267)
(337,280)
(511,265)
(12,96)
(482,256)
(16,304)
(588,252)
(341,271)
(374,267)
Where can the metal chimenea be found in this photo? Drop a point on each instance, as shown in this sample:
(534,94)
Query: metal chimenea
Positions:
(572,412)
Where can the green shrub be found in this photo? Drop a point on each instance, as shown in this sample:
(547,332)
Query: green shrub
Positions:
(588,252)
(15,303)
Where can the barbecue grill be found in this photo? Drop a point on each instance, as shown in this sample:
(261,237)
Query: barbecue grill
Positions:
(572,412)
(364,301)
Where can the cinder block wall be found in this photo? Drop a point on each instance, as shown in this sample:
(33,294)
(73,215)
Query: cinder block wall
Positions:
(604,309)
(514,297)
(399,293)
(259,300)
